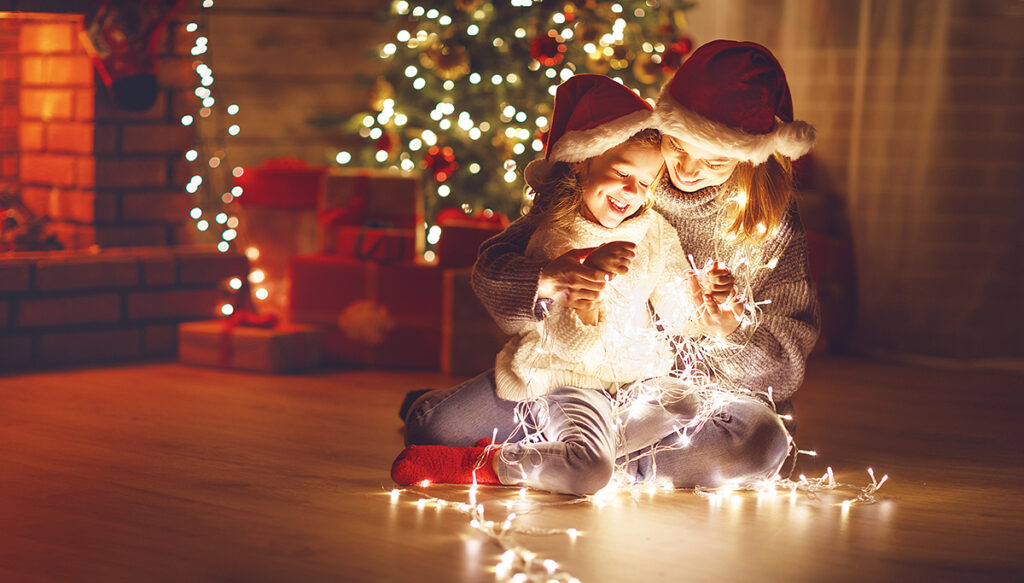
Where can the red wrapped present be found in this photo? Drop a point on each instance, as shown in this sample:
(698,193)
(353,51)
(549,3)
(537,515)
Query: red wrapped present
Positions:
(377,244)
(385,315)
(462,234)
(357,197)
(231,343)
(281,183)
(470,340)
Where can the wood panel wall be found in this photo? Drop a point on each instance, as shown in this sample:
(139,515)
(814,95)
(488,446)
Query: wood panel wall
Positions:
(286,63)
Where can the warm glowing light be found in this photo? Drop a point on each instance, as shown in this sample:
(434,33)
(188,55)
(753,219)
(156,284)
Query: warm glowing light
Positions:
(262,293)
(235,283)
(257,275)
(252,253)
(227,309)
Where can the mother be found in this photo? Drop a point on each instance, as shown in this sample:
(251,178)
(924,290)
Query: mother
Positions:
(728,136)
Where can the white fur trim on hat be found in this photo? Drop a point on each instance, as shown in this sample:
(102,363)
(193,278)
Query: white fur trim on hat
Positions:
(578,145)
(793,139)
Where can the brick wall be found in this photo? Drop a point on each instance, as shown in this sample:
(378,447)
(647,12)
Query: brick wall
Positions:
(67,308)
(918,107)
(10,74)
(103,175)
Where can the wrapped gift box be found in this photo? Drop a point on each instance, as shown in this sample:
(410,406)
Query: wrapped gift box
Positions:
(279,217)
(282,348)
(462,234)
(385,315)
(361,197)
(284,183)
(460,242)
(377,244)
(470,338)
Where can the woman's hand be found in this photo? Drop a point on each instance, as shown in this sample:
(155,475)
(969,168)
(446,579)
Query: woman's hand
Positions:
(714,319)
(567,273)
(720,282)
(614,257)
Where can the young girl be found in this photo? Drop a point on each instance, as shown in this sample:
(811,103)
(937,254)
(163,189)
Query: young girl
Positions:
(590,204)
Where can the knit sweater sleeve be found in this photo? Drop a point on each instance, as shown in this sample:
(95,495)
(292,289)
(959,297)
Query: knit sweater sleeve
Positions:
(772,352)
(505,279)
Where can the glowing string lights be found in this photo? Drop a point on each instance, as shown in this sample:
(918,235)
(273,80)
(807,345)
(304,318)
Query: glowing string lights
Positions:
(208,157)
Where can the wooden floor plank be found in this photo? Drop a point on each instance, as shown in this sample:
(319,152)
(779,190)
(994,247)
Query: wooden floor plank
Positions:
(161,472)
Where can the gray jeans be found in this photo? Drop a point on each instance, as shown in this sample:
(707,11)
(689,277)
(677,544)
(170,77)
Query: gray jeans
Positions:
(580,436)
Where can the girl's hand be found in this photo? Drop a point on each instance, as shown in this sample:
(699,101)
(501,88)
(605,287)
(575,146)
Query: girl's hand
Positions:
(590,316)
(614,257)
(567,273)
(720,282)
(713,319)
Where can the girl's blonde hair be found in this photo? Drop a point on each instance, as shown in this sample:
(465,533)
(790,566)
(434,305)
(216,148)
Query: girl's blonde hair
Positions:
(559,198)
(762,197)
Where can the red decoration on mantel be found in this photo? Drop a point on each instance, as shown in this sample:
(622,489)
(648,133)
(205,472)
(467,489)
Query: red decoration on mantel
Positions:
(123,39)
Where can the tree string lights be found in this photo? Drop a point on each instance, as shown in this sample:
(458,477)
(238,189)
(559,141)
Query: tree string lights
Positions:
(210,187)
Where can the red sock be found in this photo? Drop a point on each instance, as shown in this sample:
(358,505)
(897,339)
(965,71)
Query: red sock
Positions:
(445,465)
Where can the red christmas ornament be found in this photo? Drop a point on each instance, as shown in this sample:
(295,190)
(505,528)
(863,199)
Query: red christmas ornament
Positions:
(675,54)
(440,162)
(547,50)
(385,142)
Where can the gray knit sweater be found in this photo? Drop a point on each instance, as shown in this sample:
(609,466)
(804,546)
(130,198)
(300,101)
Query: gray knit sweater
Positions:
(771,353)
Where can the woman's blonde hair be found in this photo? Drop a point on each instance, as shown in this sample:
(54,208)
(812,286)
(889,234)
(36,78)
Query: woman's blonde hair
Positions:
(559,198)
(762,197)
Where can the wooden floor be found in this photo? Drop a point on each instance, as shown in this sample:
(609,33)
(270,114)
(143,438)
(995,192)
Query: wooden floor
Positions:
(162,472)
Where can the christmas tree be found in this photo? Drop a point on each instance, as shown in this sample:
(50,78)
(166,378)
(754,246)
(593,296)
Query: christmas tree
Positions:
(468,90)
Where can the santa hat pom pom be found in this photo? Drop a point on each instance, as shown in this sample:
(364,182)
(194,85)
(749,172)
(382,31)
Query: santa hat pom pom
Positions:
(794,139)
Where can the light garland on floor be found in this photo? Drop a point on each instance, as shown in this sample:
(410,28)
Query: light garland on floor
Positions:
(521,565)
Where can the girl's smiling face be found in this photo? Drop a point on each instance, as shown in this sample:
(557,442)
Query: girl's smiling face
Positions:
(690,168)
(615,184)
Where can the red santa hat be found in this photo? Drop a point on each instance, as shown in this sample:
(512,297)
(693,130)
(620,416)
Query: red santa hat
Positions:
(731,98)
(592,115)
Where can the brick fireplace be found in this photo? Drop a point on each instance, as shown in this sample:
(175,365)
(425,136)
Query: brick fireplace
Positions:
(102,176)
(110,185)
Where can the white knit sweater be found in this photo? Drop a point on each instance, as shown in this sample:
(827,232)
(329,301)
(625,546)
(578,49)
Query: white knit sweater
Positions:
(625,345)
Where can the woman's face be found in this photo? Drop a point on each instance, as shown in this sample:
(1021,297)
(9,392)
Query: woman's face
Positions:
(615,184)
(691,168)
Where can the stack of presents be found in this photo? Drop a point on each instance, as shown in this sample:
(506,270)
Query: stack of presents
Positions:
(365,296)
